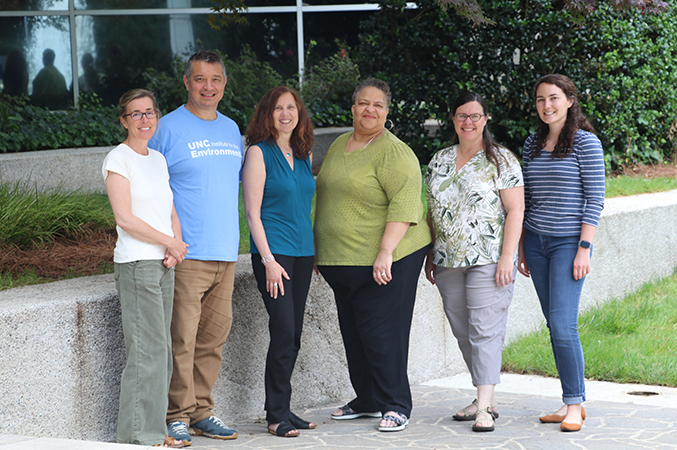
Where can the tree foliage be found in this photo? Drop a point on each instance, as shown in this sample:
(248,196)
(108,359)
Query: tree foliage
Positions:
(579,9)
(623,63)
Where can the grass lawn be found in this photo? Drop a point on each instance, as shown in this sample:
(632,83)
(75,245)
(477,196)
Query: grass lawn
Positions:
(623,186)
(629,340)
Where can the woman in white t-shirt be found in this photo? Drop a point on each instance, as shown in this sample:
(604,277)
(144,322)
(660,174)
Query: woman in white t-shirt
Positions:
(148,248)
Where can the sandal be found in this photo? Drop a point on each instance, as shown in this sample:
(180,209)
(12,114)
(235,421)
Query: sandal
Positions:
(170,442)
(299,423)
(466,412)
(283,429)
(399,418)
(348,413)
(484,416)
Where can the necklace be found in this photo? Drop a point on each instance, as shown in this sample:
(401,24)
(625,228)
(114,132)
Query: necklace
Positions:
(370,140)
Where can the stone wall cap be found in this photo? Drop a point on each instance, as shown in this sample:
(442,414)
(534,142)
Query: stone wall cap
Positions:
(619,205)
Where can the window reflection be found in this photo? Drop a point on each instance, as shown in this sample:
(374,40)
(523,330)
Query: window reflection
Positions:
(141,4)
(34,5)
(28,67)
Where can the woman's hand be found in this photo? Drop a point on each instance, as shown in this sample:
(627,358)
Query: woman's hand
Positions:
(581,263)
(504,270)
(521,260)
(177,248)
(522,265)
(382,266)
(169,261)
(430,268)
(274,274)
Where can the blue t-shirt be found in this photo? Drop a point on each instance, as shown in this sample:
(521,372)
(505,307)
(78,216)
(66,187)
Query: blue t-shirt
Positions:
(204,159)
(285,208)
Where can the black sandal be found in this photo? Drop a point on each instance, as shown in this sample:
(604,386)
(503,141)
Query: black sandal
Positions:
(283,429)
(299,423)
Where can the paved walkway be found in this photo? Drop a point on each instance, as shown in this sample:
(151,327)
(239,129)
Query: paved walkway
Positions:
(616,421)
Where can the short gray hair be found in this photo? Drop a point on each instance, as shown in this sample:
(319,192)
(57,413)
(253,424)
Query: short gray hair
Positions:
(208,56)
(378,84)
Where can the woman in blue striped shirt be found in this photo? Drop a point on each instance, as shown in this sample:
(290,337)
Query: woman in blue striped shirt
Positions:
(563,165)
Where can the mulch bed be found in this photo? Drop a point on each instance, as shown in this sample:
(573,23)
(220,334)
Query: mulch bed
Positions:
(652,171)
(85,253)
(82,254)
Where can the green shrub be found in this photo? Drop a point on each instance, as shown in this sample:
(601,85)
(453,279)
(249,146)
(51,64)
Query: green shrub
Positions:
(328,88)
(622,62)
(30,217)
(24,127)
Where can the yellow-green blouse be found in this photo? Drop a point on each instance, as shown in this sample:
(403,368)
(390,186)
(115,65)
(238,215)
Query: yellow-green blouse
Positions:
(358,192)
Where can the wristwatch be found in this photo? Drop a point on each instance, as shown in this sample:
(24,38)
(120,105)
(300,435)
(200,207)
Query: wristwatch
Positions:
(584,244)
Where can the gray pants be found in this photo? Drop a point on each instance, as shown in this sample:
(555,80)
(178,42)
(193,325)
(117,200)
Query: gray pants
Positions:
(477,310)
(146,291)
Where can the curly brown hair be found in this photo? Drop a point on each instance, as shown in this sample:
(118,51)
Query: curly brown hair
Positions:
(575,119)
(262,128)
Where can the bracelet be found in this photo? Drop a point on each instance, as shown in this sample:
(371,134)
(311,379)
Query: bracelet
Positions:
(267,259)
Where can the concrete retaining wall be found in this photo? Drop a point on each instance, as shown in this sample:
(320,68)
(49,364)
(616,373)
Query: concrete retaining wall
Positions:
(81,168)
(62,352)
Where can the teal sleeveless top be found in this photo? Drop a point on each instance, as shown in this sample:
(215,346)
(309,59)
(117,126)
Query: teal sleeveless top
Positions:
(285,209)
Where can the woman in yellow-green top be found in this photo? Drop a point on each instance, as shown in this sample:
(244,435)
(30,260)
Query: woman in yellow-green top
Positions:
(370,241)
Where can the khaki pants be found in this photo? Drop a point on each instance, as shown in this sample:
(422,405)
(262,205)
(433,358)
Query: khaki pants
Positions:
(201,321)
(477,310)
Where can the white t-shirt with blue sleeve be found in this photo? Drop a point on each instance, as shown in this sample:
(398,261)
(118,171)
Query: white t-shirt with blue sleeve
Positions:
(204,159)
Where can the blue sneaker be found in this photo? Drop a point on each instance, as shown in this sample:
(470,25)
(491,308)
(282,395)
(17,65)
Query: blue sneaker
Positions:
(213,427)
(179,431)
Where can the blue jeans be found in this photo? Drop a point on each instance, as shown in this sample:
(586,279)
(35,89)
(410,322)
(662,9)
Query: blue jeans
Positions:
(550,260)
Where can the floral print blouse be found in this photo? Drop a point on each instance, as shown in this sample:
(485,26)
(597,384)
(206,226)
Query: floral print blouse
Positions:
(466,208)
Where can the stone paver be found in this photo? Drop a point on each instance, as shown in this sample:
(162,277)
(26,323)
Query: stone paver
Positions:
(615,421)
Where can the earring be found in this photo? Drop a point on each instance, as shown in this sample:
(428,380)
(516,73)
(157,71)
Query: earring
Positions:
(391,124)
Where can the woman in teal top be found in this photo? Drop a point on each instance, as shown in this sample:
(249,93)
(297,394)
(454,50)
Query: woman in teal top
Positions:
(278,187)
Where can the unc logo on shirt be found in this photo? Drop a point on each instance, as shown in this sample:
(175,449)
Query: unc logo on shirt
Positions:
(198,144)
(231,150)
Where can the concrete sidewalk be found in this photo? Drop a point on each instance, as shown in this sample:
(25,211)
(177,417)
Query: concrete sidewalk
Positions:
(616,420)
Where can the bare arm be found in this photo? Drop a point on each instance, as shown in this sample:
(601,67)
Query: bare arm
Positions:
(513,203)
(253,183)
(120,197)
(430,268)
(392,236)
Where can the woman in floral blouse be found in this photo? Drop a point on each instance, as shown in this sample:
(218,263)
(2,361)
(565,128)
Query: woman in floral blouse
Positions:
(475,210)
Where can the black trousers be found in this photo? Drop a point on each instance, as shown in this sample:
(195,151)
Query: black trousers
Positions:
(375,323)
(285,325)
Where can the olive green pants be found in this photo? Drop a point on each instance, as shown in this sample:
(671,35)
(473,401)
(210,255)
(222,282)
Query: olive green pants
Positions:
(146,291)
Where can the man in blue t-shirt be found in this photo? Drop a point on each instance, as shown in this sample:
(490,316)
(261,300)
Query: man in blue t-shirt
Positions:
(203,149)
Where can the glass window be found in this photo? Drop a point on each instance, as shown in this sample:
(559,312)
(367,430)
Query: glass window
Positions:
(327,27)
(114,52)
(37,59)
(339,2)
(272,37)
(141,4)
(34,5)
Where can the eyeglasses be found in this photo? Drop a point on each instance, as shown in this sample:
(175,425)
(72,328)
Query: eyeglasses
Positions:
(463,117)
(136,115)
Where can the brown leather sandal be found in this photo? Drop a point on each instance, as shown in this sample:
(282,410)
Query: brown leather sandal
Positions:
(466,412)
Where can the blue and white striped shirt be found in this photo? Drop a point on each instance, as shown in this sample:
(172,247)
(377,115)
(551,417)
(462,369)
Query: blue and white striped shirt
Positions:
(561,194)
